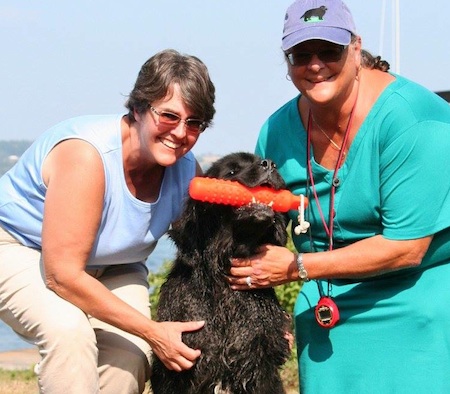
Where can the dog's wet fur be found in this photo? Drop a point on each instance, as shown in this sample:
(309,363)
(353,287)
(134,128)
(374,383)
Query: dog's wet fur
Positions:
(243,342)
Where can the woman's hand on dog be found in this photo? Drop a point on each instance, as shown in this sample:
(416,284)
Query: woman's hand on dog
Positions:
(165,340)
(271,266)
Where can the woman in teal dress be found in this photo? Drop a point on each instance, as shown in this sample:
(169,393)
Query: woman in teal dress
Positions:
(370,151)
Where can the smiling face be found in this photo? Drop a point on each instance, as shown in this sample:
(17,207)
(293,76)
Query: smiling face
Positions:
(320,80)
(165,144)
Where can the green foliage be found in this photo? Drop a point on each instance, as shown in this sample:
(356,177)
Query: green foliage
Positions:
(287,293)
(25,375)
(289,373)
(156,279)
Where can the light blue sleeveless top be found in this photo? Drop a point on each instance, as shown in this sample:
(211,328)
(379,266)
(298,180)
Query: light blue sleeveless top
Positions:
(129,227)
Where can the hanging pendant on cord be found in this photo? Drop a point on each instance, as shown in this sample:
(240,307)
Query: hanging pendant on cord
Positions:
(326,311)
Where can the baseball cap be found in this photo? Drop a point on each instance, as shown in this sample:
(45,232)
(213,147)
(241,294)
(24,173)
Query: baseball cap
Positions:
(328,20)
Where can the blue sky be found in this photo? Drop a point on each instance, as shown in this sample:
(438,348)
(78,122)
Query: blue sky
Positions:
(67,58)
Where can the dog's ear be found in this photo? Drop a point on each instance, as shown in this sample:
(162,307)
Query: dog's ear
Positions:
(199,223)
(280,233)
(185,227)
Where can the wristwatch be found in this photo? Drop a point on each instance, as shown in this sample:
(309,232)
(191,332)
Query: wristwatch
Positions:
(302,273)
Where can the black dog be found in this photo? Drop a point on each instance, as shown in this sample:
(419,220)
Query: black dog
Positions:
(243,342)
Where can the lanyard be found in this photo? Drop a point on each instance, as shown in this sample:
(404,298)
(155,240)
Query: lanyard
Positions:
(329,228)
(326,311)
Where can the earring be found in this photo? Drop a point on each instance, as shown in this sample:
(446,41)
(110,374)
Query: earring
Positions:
(358,72)
(288,77)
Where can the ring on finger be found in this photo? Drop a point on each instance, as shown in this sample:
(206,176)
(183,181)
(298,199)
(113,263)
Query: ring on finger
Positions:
(248,280)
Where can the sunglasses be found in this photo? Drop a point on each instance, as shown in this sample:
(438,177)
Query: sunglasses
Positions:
(172,120)
(328,55)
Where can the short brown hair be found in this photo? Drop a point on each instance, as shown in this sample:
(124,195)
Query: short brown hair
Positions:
(168,67)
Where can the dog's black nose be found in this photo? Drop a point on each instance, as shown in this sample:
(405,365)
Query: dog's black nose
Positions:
(267,164)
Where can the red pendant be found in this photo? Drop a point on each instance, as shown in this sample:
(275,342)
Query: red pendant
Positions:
(327,312)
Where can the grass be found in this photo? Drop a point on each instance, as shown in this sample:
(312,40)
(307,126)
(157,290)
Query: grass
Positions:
(289,375)
(18,382)
(25,382)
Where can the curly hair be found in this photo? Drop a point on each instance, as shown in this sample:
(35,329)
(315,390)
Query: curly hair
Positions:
(373,63)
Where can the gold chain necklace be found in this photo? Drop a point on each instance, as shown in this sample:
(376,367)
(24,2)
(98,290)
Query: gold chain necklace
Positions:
(333,144)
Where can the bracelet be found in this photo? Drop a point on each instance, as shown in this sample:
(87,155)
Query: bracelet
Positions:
(302,273)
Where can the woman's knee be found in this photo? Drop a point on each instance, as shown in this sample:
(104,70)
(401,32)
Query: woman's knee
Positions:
(123,359)
(70,332)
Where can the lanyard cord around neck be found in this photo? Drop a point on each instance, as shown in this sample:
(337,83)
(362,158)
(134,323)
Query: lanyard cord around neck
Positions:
(335,182)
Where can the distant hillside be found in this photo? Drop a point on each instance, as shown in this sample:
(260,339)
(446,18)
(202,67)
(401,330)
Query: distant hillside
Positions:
(205,161)
(10,151)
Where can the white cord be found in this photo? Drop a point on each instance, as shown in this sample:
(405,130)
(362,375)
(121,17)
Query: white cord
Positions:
(303,225)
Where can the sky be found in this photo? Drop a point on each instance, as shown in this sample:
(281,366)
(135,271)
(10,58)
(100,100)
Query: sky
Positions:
(64,58)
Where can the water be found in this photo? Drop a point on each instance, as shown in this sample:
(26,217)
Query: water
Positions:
(163,251)
(9,340)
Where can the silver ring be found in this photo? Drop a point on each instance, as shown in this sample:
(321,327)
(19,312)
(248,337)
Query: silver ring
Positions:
(248,280)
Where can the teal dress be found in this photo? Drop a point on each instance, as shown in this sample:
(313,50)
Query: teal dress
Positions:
(394,332)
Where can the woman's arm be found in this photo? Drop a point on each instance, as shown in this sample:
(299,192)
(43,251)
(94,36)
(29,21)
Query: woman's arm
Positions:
(275,265)
(74,175)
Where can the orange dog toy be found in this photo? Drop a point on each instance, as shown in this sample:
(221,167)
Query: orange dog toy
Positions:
(220,191)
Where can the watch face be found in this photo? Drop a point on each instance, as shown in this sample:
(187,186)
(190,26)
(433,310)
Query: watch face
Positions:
(326,312)
(325,315)
(302,274)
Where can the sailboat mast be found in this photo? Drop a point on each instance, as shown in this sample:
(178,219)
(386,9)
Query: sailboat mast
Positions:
(397,36)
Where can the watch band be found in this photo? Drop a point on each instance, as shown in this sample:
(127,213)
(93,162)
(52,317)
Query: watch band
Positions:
(302,273)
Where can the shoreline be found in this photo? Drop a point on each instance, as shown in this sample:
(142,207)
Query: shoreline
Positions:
(22,359)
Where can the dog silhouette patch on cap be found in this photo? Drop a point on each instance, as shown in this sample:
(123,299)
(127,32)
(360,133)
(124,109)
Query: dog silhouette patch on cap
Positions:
(314,15)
